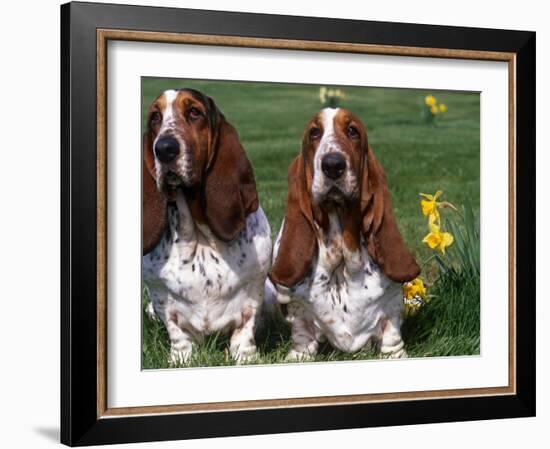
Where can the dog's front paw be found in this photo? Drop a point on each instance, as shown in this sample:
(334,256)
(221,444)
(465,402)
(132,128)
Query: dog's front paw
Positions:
(179,356)
(299,356)
(399,354)
(151,312)
(245,355)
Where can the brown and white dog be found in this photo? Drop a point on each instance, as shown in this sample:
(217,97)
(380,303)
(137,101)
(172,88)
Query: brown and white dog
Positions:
(339,259)
(206,242)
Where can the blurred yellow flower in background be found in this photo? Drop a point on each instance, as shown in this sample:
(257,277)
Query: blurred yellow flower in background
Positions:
(436,239)
(323,94)
(430,100)
(433,108)
(339,93)
(331,97)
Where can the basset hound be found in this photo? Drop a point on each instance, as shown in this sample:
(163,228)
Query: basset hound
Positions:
(339,259)
(206,241)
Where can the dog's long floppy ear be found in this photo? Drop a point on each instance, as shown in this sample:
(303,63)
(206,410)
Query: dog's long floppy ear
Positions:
(384,241)
(154,202)
(298,241)
(229,193)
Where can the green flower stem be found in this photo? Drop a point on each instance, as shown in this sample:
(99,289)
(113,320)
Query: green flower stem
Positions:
(428,259)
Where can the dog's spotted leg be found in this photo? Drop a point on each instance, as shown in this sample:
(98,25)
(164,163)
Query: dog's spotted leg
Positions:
(304,340)
(243,345)
(181,346)
(391,343)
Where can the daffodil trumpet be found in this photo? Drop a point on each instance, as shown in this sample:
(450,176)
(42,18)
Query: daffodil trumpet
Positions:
(438,240)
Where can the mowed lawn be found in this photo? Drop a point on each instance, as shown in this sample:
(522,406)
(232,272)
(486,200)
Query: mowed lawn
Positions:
(417,157)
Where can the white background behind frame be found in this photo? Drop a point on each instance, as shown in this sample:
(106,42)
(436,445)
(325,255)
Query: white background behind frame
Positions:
(129,386)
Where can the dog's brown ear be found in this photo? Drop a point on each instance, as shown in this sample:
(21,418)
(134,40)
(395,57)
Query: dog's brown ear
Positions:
(298,242)
(229,193)
(154,202)
(384,241)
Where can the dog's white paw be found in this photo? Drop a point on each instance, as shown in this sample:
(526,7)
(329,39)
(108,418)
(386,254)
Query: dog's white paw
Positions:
(150,311)
(399,354)
(245,355)
(299,356)
(179,356)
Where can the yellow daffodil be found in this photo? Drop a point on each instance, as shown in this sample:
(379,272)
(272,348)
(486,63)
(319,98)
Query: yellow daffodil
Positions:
(430,100)
(322,94)
(436,239)
(338,93)
(442,108)
(434,110)
(414,288)
(429,205)
(414,296)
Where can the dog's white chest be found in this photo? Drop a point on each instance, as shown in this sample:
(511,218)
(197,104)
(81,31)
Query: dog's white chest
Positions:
(350,309)
(206,284)
(346,295)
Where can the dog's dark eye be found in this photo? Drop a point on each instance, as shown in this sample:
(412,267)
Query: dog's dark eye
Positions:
(353,133)
(314,133)
(155,117)
(194,113)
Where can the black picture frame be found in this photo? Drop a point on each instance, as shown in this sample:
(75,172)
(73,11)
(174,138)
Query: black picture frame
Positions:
(80,423)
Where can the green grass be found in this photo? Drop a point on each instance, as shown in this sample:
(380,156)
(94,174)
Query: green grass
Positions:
(416,156)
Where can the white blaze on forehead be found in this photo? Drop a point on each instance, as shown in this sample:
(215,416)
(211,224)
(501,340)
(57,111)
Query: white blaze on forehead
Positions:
(168,116)
(327,119)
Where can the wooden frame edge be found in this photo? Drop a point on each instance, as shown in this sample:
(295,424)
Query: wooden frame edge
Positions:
(101,223)
(103,35)
(512,192)
(318,401)
(292,44)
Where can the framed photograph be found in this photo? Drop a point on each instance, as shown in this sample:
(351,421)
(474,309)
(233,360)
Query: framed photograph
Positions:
(282,224)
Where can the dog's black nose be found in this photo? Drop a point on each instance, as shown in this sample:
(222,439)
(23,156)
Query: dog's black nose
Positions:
(166,149)
(333,165)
